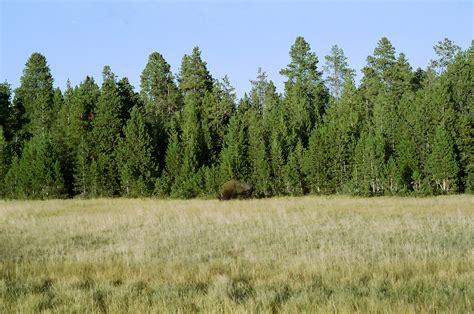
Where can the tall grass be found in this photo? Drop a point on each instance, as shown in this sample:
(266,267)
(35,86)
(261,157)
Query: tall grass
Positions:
(308,254)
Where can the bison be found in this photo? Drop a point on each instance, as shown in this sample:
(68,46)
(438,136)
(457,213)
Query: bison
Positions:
(234,188)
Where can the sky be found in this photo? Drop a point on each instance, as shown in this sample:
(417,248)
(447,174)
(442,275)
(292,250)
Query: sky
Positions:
(236,37)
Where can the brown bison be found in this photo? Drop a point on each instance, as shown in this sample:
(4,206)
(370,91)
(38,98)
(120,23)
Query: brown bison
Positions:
(234,188)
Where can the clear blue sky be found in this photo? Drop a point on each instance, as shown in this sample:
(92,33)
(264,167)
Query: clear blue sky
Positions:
(79,37)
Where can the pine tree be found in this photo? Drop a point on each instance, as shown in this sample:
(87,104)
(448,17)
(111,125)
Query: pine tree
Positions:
(36,94)
(83,174)
(217,108)
(158,90)
(294,176)
(173,165)
(135,164)
(260,175)
(194,76)
(37,174)
(5,106)
(128,99)
(337,71)
(4,161)
(369,164)
(106,129)
(442,165)
(315,162)
(305,93)
(162,102)
(343,123)
(233,161)
(446,51)
(192,145)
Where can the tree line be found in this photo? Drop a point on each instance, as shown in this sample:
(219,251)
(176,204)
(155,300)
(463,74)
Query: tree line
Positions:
(400,131)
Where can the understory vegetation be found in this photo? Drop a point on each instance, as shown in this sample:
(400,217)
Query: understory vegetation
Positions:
(316,254)
(401,131)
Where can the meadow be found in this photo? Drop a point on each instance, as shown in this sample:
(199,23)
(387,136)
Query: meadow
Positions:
(306,254)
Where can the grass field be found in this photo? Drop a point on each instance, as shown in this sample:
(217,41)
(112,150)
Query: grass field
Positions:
(308,254)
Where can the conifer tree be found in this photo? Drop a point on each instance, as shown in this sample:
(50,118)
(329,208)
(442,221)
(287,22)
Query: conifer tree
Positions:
(135,164)
(173,165)
(5,106)
(37,174)
(337,71)
(442,165)
(106,129)
(446,50)
(162,102)
(194,76)
(294,175)
(233,161)
(158,90)
(260,175)
(128,99)
(217,108)
(36,94)
(369,164)
(192,145)
(305,93)
(4,161)
(343,122)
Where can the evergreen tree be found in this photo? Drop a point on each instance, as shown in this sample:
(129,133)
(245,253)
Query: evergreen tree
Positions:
(294,175)
(162,102)
(315,161)
(106,129)
(260,175)
(194,76)
(383,59)
(259,90)
(306,95)
(337,71)
(192,145)
(343,123)
(128,99)
(217,108)
(5,106)
(4,161)
(158,90)
(37,174)
(369,164)
(83,174)
(446,50)
(233,161)
(36,94)
(135,163)
(173,165)
(442,166)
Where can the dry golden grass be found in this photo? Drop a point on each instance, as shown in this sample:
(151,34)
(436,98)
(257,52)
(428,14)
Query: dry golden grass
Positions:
(310,254)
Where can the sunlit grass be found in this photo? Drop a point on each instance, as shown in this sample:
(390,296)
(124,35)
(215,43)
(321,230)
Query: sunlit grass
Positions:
(313,254)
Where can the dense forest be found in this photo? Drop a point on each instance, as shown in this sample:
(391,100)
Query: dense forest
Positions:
(400,131)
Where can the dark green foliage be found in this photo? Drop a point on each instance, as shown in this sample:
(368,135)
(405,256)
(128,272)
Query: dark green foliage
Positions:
(399,132)
(337,71)
(5,105)
(260,175)
(233,161)
(442,166)
(194,76)
(106,130)
(37,174)
(306,95)
(4,160)
(36,94)
(134,159)
(294,177)
(162,103)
